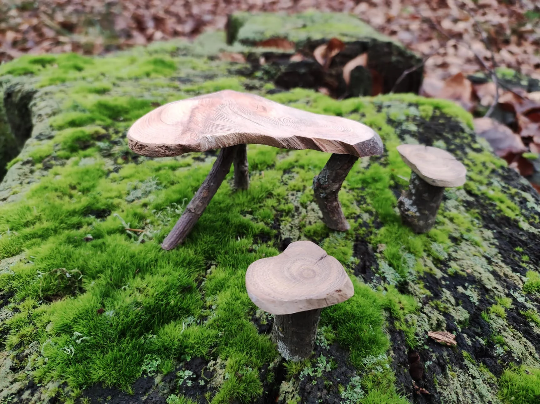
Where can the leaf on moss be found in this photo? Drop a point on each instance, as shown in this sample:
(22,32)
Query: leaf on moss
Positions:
(443,337)
(324,53)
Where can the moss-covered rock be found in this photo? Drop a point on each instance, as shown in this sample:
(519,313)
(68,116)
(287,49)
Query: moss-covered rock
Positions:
(90,310)
(250,28)
(387,60)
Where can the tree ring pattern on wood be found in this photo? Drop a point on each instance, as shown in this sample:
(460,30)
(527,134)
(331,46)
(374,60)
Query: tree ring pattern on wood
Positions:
(435,166)
(301,278)
(228,118)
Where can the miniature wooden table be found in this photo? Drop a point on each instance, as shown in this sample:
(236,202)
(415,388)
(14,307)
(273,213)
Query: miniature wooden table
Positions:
(229,120)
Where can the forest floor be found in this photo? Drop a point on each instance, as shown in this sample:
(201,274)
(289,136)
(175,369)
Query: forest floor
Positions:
(450,32)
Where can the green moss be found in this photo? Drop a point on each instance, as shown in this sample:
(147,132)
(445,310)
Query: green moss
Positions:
(39,154)
(73,119)
(316,231)
(94,88)
(485,316)
(532,316)
(532,285)
(174,399)
(505,302)
(498,339)
(120,108)
(154,66)
(339,246)
(426,111)
(74,139)
(251,28)
(383,397)
(520,385)
(57,69)
(506,73)
(261,158)
(443,106)
(229,83)
(36,64)
(13,162)
(467,356)
(498,310)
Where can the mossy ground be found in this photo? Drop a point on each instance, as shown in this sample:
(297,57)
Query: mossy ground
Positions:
(86,301)
(249,28)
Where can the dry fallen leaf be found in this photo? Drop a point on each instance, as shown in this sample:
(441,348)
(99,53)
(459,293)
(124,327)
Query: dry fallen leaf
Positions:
(521,104)
(324,53)
(486,93)
(457,88)
(297,57)
(360,60)
(500,137)
(323,90)
(420,390)
(521,164)
(278,43)
(232,57)
(377,82)
(443,337)
(528,127)
(535,96)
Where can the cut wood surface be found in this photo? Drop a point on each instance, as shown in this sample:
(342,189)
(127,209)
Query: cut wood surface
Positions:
(228,118)
(435,166)
(301,278)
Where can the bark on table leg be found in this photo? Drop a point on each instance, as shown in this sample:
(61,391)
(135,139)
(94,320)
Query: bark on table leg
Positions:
(294,334)
(241,168)
(202,198)
(326,188)
(419,204)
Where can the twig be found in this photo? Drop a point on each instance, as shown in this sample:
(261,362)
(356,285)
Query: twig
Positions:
(137,230)
(480,61)
(508,88)
(416,67)
(493,64)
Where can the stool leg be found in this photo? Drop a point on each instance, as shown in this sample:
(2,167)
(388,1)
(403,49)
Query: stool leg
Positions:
(202,198)
(326,187)
(241,168)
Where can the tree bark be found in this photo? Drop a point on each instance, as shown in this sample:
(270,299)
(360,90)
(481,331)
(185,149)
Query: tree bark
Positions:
(294,334)
(202,198)
(326,188)
(241,168)
(419,204)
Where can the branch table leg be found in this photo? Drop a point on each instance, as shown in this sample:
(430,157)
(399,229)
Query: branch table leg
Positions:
(326,187)
(202,198)
(241,168)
